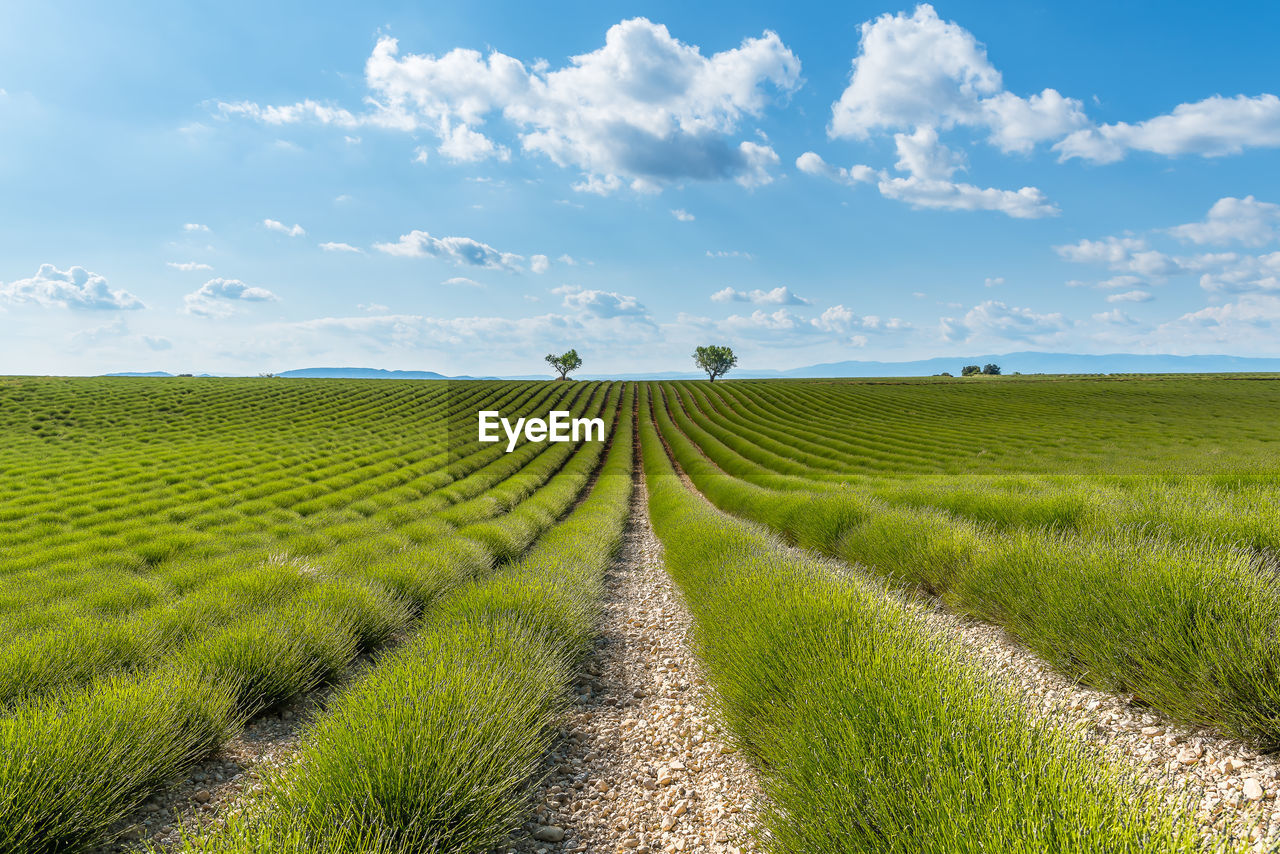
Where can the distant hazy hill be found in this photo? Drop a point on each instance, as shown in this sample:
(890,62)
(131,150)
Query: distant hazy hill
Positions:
(1025,362)
(367,374)
(1047,363)
(154,374)
(324,373)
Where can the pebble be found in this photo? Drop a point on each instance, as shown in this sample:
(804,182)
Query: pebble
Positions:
(548,833)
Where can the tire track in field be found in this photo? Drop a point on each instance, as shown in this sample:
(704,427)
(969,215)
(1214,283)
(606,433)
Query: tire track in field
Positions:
(641,765)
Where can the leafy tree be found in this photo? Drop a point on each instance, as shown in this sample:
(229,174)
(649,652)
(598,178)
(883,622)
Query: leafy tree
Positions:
(943,374)
(970,370)
(565,363)
(991,370)
(715,360)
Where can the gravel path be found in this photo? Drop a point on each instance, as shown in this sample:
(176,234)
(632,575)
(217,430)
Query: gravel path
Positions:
(641,765)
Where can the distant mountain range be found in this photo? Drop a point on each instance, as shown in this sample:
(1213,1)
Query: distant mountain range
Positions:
(1024,362)
(370,374)
(1044,363)
(326,373)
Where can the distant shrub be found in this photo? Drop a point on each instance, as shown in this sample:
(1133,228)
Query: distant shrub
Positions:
(943,374)
(970,370)
(991,370)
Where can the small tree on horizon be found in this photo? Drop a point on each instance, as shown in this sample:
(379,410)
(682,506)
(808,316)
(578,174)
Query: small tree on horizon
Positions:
(991,370)
(565,363)
(715,360)
(970,370)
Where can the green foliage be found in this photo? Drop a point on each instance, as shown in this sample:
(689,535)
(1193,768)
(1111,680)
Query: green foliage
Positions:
(873,733)
(991,369)
(178,555)
(566,363)
(272,602)
(970,370)
(435,748)
(716,360)
(1149,586)
(70,767)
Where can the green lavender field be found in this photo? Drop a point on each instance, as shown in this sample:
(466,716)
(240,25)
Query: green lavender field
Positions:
(181,556)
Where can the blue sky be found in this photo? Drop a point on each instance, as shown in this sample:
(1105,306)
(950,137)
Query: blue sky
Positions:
(259,187)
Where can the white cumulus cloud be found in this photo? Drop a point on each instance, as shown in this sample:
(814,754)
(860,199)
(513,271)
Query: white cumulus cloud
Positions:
(1230,220)
(1131,296)
(212,297)
(1125,254)
(781,295)
(1214,127)
(993,319)
(1115,317)
(841,320)
(294,230)
(74,287)
(539,263)
(463,251)
(1026,203)
(600,303)
(811,163)
(917,71)
(642,111)
(928,184)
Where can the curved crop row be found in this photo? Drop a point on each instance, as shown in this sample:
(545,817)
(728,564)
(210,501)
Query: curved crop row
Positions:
(870,731)
(1189,629)
(81,646)
(436,748)
(57,744)
(1193,508)
(1188,508)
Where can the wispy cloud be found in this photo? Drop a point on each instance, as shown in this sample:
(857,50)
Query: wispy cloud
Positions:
(294,230)
(459,250)
(780,295)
